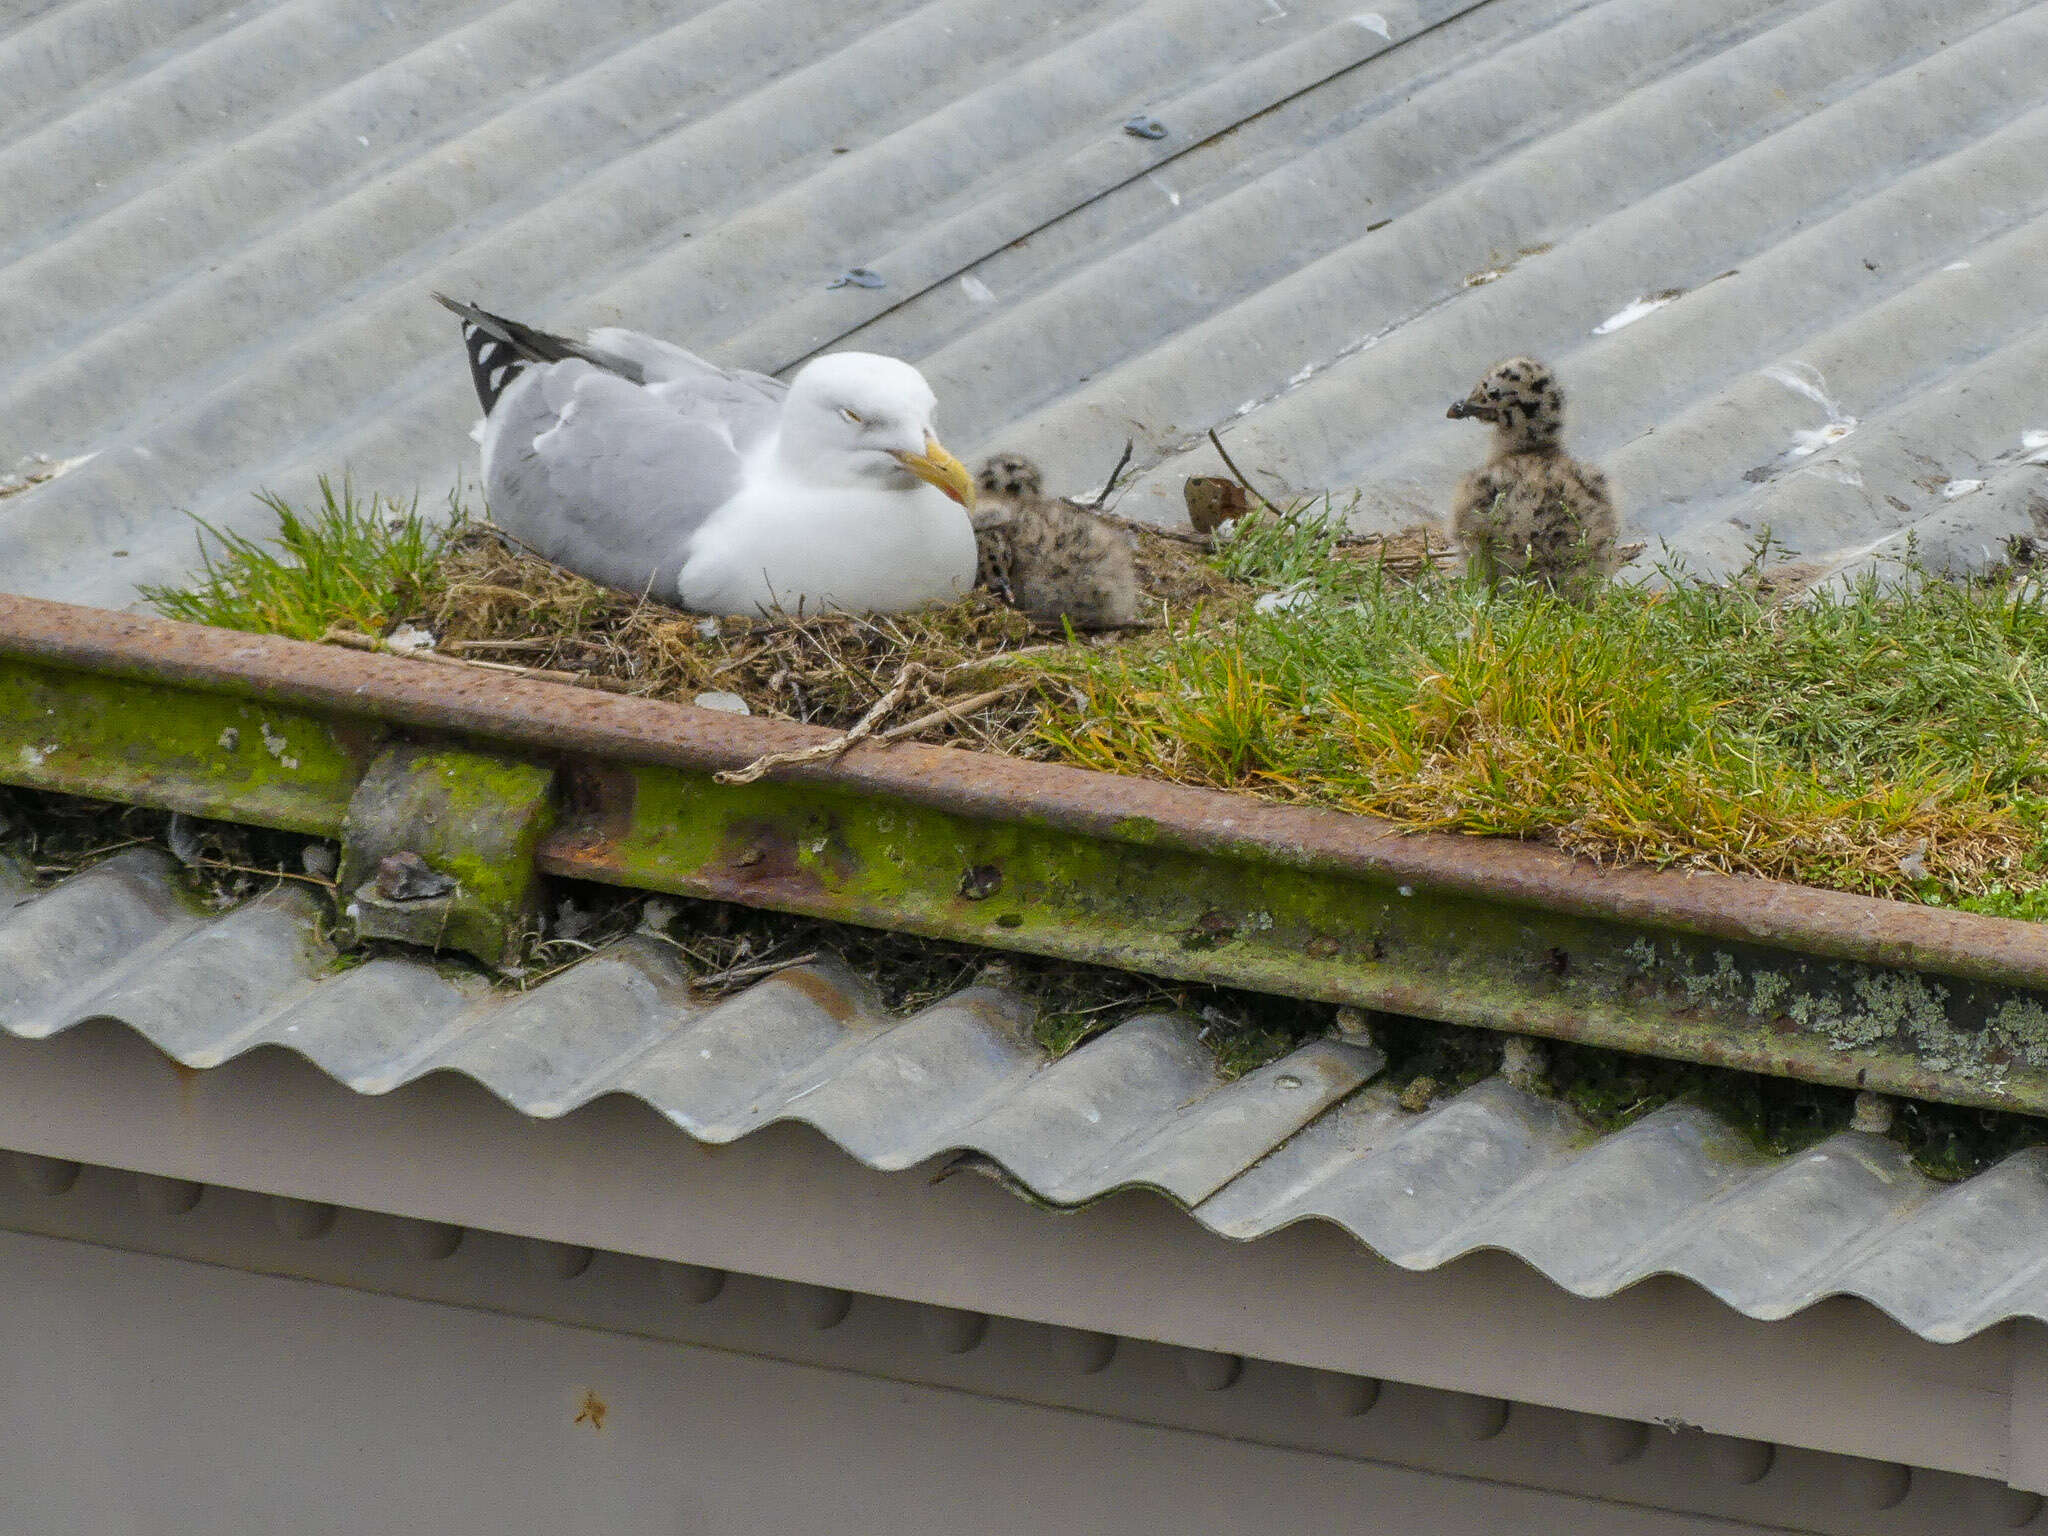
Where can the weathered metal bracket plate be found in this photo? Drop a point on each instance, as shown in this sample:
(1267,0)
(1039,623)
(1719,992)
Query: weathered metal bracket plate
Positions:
(474,818)
(1177,882)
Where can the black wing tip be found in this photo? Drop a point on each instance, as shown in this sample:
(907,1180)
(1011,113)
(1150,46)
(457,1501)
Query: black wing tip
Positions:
(495,358)
(500,350)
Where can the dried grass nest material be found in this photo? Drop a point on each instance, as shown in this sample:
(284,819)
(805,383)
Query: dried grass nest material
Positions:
(976,667)
(498,603)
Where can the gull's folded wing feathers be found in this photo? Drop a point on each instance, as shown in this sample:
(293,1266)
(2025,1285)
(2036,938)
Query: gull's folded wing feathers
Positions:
(663,361)
(749,404)
(606,477)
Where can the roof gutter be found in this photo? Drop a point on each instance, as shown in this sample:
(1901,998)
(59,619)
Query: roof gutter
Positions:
(1171,881)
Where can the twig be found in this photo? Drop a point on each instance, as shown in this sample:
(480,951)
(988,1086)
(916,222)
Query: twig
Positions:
(532,643)
(1102,499)
(997,656)
(1139,525)
(747,972)
(1058,626)
(1250,489)
(355,640)
(825,750)
(268,874)
(64,863)
(956,709)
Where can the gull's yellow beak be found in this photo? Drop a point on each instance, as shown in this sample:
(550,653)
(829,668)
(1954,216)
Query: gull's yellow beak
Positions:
(937,467)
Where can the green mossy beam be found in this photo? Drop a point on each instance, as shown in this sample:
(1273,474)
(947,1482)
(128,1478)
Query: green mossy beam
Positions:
(492,779)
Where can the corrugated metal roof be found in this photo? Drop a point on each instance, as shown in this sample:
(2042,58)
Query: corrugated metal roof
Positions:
(1308,1137)
(1826,220)
(224,221)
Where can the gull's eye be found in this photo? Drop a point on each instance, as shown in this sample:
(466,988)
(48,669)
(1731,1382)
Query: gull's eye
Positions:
(853,416)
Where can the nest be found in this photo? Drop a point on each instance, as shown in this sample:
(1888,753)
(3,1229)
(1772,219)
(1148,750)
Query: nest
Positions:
(976,672)
(972,671)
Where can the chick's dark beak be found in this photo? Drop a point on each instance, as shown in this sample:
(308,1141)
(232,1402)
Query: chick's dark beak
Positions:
(1473,408)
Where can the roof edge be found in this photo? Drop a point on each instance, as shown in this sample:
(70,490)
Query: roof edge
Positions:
(1188,883)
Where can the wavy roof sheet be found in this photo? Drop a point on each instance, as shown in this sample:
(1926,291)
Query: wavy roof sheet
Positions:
(1790,255)
(1308,1137)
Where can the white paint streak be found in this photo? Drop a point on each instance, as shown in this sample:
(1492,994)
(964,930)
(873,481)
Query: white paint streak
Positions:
(1629,314)
(976,289)
(1373,21)
(1805,379)
(39,469)
(1807,441)
(1956,488)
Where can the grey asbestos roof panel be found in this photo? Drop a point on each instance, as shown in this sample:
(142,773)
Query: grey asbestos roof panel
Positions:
(1825,223)
(1308,1137)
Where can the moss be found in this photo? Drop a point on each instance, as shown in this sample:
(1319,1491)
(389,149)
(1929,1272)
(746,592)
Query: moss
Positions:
(56,835)
(1775,1115)
(1454,1059)
(473,816)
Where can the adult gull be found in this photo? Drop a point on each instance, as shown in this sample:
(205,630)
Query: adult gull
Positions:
(639,465)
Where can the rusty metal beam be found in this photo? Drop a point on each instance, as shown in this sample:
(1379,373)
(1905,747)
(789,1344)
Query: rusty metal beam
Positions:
(1034,857)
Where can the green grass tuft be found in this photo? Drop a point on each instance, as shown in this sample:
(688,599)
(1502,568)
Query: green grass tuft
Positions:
(1885,739)
(354,562)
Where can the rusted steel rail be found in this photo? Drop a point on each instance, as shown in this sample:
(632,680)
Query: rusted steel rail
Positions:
(1157,878)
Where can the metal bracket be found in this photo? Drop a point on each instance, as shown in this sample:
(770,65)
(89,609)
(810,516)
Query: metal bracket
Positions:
(438,850)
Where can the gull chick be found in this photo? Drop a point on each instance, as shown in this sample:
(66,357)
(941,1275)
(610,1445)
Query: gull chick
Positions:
(641,466)
(1532,510)
(1049,557)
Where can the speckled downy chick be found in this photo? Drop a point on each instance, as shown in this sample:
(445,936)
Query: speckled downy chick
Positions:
(1532,511)
(1048,557)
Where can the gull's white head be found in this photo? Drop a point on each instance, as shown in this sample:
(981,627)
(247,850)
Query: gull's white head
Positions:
(856,418)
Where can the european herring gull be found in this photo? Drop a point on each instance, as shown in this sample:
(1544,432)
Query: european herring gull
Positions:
(1049,557)
(640,465)
(1532,510)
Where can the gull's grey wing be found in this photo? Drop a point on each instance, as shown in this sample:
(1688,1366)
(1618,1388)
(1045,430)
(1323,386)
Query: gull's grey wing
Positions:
(605,477)
(748,403)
